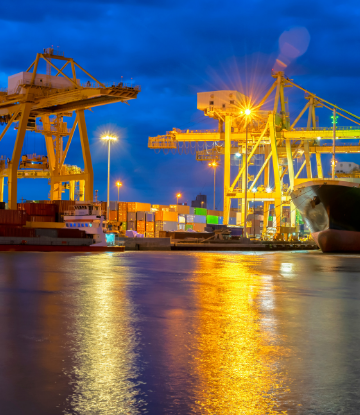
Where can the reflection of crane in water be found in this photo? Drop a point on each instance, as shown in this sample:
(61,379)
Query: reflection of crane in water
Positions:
(40,102)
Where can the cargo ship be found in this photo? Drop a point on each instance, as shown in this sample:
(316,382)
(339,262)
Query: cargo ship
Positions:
(33,227)
(330,209)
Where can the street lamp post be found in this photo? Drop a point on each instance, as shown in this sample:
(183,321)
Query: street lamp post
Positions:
(177,198)
(108,138)
(214,165)
(118,184)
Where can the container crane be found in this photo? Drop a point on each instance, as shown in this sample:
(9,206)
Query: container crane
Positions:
(269,133)
(32,96)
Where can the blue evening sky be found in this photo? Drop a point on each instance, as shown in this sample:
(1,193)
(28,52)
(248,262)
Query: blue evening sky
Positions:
(174,50)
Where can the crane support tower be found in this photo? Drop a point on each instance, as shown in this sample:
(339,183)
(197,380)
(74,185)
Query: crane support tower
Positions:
(39,102)
(245,127)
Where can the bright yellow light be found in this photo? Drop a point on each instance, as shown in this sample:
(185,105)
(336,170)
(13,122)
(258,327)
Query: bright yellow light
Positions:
(247,112)
(118,184)
(268,189)
(109,137)
(213,164)
(178,195)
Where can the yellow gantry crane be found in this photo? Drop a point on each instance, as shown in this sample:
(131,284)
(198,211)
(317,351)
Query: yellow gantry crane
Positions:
(48,98)
(246,129)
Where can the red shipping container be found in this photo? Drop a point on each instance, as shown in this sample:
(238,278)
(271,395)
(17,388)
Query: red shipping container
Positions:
(62,205)
(13,217)
(38,209)
(16,231)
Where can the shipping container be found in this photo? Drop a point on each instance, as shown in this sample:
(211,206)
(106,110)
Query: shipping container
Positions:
(38,209)
(123,226)
(140,226)
(165,226)
(62,205)
(189,226)
(131,226)
(138,207)
(13,217)
(149,234)
(131,217)
(17,231)
(41,219)
(192,211)
(212,219)
(113,215)
(190,218)
(236,231)
(71,233)
(166,216)
(122,206)
(200,211)
(185,210)
(140,216)
(113,205)
(122,216)
(232,221)
(159,207)
(181,226)
(215,212)
(220,220)
(150,227)
(199,219)
(181,219)
(150,217)
(233,215)
(199,227)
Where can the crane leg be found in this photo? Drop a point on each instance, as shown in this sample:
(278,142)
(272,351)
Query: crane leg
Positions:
(14,164)
(227,155)
(89,182)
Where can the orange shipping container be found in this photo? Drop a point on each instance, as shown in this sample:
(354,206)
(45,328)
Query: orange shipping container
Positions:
(149,226)
(122,206)
(113,215)
(140,226)
(149,235)
(215,212)
(138,207)
(184,210)
(122,216)
(166,216)
(199,227)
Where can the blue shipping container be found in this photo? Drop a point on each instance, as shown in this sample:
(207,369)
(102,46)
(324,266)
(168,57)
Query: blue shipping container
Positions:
(232,221)
(150,217)
(221,220)
(199,219)
(190,218)
(192,211)
(236,231)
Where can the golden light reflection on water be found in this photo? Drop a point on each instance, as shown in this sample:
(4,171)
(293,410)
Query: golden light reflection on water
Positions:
(237,357)
(104,342)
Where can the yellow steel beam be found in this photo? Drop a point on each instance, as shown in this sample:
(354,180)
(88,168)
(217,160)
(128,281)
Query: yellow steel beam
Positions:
(12,179)
(300,115)
(89,183)
(319,166)
(87,73)
(261,170)
(69,177)
(12,119)
(68,142)
(308,160)
(290,163)
(249,157)
(35,69)
(300,170)
(227,178)
(62,68)
(62,73)
(322,133)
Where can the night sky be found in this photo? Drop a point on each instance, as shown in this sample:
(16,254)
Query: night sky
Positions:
(174,50)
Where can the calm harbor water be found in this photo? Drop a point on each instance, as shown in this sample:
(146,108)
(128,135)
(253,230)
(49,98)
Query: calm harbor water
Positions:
(179,333)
